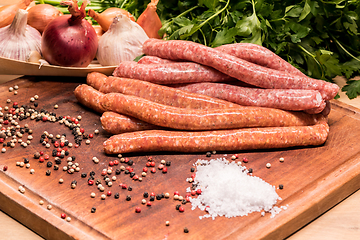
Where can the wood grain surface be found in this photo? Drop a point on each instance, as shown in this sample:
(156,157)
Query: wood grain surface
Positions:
(314,180)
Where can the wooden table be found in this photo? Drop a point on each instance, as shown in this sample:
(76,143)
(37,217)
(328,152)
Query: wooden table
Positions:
(340,222)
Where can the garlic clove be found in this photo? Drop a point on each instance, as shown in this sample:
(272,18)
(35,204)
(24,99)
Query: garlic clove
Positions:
(33,57)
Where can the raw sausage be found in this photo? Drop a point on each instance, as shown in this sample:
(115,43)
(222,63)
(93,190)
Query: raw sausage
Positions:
(202,119)
(220,140)
(162,94)
(96,79)
(116,123)
(235,67)
(259,55)
(171,73)
(287,99)
(89,97)
(153,59)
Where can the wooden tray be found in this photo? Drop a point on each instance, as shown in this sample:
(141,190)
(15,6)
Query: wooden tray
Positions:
(314,179)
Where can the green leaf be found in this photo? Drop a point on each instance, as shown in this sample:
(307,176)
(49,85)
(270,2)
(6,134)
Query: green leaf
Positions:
(305,11)
(224,36)
(352,88)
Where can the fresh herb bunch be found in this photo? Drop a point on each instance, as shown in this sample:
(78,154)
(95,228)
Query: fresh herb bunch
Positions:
(320,37)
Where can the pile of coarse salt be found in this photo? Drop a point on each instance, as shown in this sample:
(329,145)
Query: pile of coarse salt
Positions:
(228,190)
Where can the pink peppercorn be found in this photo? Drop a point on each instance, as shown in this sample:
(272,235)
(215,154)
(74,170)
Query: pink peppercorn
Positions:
(108,193)
(176,193)
(193,192)
(111,163)
(63,215)
(148,164)
(164,170)
(41,159)
(124,186)
(160,166)
(137,209)
(41,153)
(91,182)
(153,170)
(91,135)
(193,176)
(135,177)
(198,191)
(62,144)
(82,130)
(1,140)
(5,168)
(148,203)
(181,209)
(245,160)
(46,157)
(116,162)
(145,169)
(152,164)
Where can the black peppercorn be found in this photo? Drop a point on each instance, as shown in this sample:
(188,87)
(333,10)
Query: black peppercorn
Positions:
(158,197)
(26,160)
(49,164)
(152,198)
(127,171)
(146,194)
(132,174)
(186,230)
(92,173)
(128,198)
(56,167)
(168,163)
(83,175)
(281,186)
(183,201)
(192,169)
(250,170)
(130,188)
(208,154)
(48,172)
(130,162)
(117,171)
(177,206)
(117,195)
(93,210)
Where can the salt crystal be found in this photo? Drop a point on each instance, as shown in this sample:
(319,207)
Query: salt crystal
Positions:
(228,190)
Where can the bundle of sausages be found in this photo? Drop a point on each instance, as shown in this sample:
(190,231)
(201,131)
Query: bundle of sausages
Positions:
(279,106)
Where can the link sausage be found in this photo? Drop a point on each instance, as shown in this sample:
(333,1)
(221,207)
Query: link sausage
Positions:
(162,94)
(171,73)
(259,55)
(89,97)
(286,99)
(202,119)
(235,67)
(116,123)
(96,79)
(220,140)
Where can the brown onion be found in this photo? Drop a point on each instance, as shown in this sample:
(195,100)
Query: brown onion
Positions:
(105,18)
(150,21)
(7,12)
(40,15)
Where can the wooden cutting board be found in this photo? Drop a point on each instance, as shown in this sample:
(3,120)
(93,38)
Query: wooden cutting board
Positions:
(314,179)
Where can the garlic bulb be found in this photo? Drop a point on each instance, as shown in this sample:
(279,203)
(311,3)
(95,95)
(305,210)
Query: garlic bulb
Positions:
(122,42)
(18,39)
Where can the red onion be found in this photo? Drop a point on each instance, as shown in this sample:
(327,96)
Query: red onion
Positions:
(70,41)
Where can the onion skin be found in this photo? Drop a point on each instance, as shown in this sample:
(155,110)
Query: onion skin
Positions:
(149,20)
(70,40)
(40,15)
(105,18)
(7,12)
